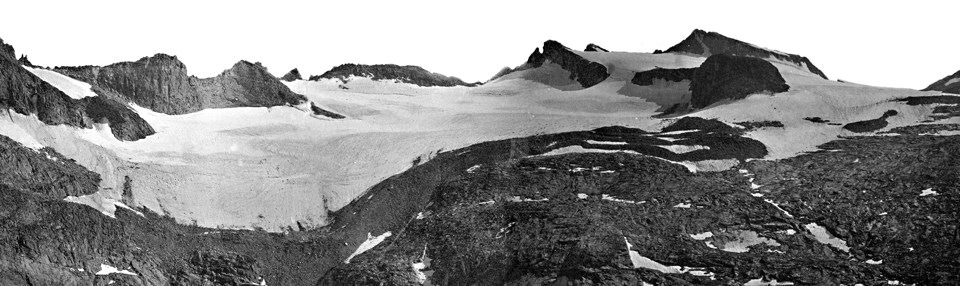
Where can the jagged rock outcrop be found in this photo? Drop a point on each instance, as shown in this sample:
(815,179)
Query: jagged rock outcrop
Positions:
(292,75)
(43,172)
(27,94)
(161,83)
(591,47)
(705,43)
(726,77)
(407,74)
(646,78)
(585,72)
(950,84)
(25,61)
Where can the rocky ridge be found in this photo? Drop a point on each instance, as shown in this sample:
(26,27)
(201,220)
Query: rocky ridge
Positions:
(406,74)
(161,83)
(950,84)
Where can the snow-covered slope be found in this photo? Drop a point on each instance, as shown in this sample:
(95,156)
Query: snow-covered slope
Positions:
(74,88)
(281,167)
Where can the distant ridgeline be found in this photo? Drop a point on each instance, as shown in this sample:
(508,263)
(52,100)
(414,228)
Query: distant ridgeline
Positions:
(406,74)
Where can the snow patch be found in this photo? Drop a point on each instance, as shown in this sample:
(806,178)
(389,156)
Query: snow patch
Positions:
(473,169)
(682,205)
(928,192)
(746,239)
(107,270)
(823,236)
(580,149)
(776,205)
(702,236)
(370,243)
(681,149)
(760,282)
(518,199)
(613,199)
(73,88)
(582,196)
(640,261)
(952,81)
(874,262)
(594,142)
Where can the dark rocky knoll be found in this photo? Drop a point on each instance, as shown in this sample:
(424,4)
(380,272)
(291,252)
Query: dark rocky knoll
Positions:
(407,74)
(583,71)
(705,43)
(872,124)
(292,75)
(645,78)
(949,84)
(726,77)
(462,218)
(161,83)
(591,47)
(27,94)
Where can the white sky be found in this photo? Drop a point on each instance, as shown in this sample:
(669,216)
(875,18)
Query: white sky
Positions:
(902,43)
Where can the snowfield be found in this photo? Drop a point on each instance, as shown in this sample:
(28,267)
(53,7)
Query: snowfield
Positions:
(73,88)
(280,167)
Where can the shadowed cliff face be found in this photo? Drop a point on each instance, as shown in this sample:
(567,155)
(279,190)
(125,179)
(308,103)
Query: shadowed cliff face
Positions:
(726,77)
(27,94)
(407,74)
(949,84)
(161,83)
(711,43)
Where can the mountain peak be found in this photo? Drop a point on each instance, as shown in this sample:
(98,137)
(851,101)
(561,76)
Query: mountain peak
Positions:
(594,48)
(292,75)
(706,43)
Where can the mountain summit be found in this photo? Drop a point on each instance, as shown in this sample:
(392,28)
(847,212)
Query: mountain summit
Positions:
(705,43)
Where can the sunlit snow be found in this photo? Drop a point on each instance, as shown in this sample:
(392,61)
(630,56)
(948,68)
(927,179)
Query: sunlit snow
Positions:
(370,243)
(107,270)
(73,88)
